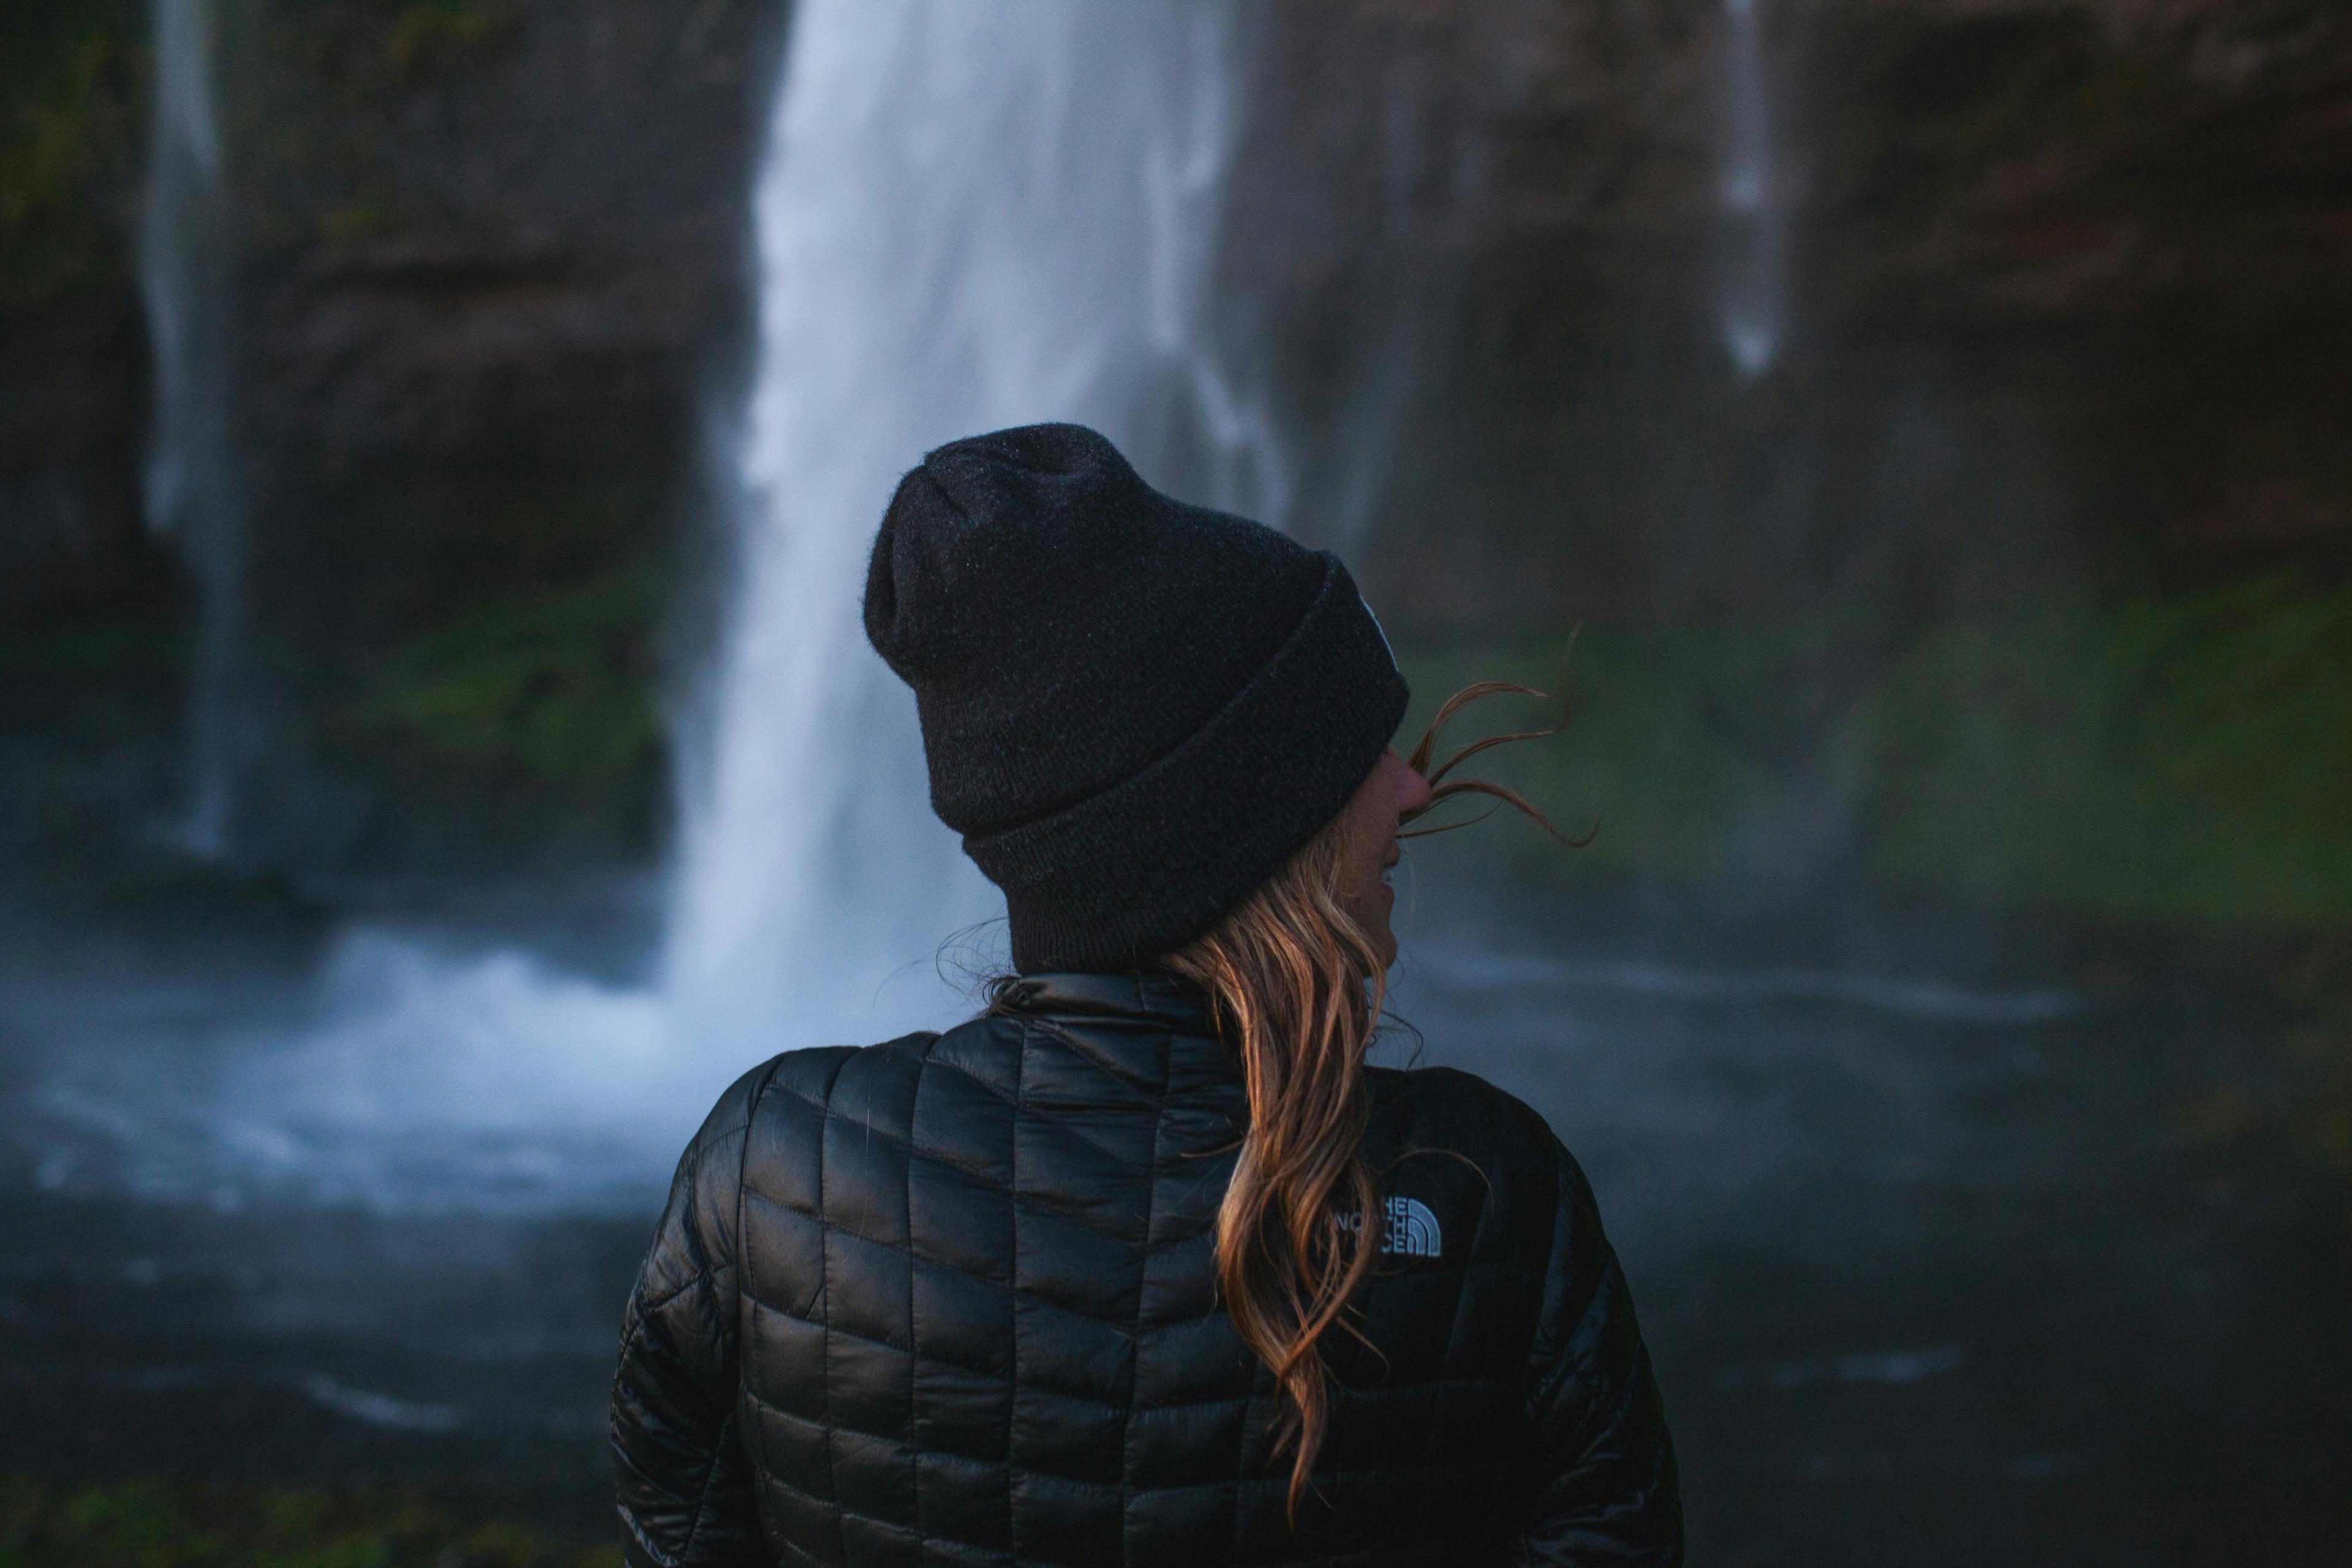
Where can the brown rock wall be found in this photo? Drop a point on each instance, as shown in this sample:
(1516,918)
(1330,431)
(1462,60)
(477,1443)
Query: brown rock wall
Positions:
(498,274)
(71,537)
(72,358)
(2060,276)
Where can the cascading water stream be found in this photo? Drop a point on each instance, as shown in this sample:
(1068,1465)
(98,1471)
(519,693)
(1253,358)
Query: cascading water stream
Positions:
(1751,307)
(970,217)
(192,485)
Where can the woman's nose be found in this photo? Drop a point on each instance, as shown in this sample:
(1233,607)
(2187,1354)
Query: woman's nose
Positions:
(1413,791)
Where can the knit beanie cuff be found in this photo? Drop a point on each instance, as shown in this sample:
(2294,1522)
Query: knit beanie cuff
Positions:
(1193,834)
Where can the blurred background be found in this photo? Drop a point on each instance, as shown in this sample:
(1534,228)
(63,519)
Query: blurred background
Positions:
(439,440)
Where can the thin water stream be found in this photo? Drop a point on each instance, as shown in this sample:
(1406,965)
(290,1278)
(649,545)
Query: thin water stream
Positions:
(186,255)
(1751,303)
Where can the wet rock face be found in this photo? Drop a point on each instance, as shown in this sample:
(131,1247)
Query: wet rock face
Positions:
(499,270)
(72,358)
(492,236)
(2077,161)
(2057,277)
(71,540)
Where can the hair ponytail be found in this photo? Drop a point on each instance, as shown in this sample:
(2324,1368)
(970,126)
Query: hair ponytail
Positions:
(1286,975)
(1296,986)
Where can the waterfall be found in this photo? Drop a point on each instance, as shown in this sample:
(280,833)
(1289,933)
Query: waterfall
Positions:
(969,217)
(192,486)
(1750,306)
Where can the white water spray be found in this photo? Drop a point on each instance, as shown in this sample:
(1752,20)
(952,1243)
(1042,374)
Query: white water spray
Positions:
(970,217)
(1751,305)
(192,487)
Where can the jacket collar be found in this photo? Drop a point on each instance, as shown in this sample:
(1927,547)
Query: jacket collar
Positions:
(1140,995)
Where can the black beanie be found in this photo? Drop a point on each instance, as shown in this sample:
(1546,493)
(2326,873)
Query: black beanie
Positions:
(1134,710)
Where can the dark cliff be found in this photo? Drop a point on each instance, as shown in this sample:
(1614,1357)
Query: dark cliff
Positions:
(2067,281)
(497,275)
(72,356)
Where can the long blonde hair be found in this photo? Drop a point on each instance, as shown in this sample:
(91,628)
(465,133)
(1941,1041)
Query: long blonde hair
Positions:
(1296,985)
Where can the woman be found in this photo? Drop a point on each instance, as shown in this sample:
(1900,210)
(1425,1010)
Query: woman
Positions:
(1143,1264)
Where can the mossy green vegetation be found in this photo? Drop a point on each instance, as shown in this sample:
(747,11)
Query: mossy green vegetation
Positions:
(2296,1113)
(1639,765)
(430,33)
(152,1523)
(2319,1125)
(81,654)
(366,51)
(320,90)
(2182,760)
(98,679)
(433,31)
(486,673)
(73,116)
(549,687)
(73,77)
(2187,758)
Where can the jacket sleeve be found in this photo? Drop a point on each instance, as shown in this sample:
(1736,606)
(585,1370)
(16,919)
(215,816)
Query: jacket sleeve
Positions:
(1605,1489)
(684,1480)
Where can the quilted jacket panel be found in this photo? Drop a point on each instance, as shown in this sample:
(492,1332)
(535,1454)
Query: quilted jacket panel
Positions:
(952,1299)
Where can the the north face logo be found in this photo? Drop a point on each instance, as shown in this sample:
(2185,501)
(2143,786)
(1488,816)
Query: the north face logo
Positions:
(1410,1231)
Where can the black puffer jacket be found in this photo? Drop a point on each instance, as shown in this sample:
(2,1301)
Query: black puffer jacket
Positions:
(950,1300)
